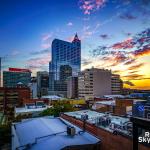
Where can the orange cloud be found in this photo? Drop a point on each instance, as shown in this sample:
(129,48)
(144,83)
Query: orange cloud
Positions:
(127,44)
(137,66)
(143,52)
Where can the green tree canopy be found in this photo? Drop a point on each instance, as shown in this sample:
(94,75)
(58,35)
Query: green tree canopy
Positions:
(57,109)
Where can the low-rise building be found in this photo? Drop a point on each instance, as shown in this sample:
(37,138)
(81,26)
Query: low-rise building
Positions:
(51,134)
(127,107)
(115,131)
(30,109)
(13,97)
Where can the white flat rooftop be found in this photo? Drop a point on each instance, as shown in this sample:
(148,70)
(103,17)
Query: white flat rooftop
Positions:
(27,110)
(114,96)
(111,103)
(52,97)
(27,131)
(94,116)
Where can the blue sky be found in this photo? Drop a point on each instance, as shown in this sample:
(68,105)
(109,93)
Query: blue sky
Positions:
(27,28)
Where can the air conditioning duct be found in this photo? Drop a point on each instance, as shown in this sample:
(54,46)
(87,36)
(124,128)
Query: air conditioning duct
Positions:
(71,130)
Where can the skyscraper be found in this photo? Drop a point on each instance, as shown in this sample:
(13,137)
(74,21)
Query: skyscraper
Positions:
(66,61)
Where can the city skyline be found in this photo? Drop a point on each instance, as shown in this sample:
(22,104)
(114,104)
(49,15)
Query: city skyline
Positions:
(115,35)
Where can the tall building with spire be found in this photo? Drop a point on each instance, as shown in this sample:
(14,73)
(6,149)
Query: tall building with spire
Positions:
(65,62)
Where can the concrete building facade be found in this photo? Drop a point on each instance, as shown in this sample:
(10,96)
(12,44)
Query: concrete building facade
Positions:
(33,87)
(94,82)
(116,84)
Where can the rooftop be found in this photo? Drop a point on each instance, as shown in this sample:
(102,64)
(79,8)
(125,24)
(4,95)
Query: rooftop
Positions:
(47,134)
(97,118)
(106,102)
(114,96)
(52,97)
(34,108)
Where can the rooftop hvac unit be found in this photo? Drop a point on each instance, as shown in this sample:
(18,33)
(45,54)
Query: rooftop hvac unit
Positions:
(71,130)
(84,117)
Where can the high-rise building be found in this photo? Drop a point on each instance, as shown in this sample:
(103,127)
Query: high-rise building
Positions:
(33,87)
(116,84)
(66,61)
(98,82)
(94,82)
(42,83)
(72,87)
(16,76)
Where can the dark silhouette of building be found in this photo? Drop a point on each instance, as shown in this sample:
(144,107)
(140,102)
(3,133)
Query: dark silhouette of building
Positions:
(42,83)
(72,87)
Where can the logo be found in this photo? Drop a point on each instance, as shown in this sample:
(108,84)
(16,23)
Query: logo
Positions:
(141,108)
(145,138)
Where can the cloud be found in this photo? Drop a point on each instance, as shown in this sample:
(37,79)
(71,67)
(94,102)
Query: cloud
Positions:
(46,37)
(128,16)
(69,24)
(116,71)
(130,62)
(100,51)
(128,34)
(131,72)
(38,63)
(142,52)
(87,32)
(45,51)
(70,39)
(128,83)
(15,53)
(136,77)
(133,76)
(86,62)
(46,45)
(119,58)
(126,44)
(137,66)
(104,36)
(125,53)
(90,6)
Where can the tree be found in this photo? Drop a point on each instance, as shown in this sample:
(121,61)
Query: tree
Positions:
(57,109)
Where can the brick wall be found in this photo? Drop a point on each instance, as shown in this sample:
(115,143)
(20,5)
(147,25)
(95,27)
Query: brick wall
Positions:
(109,140)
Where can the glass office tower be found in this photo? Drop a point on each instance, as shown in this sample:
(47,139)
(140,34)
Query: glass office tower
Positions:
(66,61)
(15,76)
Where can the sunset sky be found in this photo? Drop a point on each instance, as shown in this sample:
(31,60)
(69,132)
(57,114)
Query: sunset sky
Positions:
(115,34)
